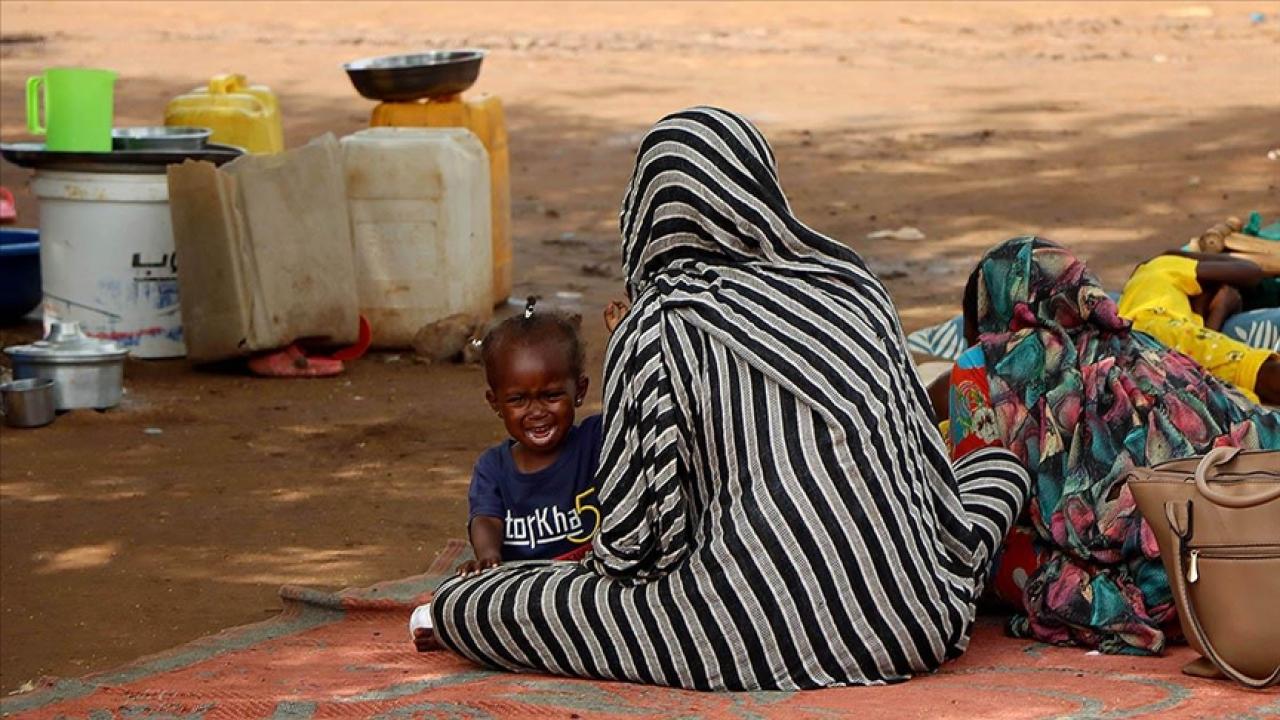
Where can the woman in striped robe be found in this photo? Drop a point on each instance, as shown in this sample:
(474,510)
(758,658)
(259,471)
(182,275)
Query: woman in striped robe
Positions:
(777,509)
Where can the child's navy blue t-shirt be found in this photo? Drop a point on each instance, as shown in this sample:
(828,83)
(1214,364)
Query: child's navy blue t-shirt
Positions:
(546,513)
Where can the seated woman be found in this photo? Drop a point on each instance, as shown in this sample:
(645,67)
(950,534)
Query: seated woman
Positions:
(1184,300)
(778,511)
(1060,379)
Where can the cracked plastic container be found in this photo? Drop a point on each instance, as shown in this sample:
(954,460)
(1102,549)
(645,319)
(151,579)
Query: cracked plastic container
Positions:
(420,228)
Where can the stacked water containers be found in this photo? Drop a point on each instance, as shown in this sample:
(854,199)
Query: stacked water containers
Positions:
(421,229)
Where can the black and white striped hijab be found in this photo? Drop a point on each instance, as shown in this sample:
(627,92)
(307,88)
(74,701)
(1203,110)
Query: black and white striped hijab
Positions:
(709,242)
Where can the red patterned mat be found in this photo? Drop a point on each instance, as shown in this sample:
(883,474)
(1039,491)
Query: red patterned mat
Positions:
(348,655)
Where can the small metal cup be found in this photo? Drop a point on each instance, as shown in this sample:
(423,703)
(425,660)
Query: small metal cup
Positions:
(28,403)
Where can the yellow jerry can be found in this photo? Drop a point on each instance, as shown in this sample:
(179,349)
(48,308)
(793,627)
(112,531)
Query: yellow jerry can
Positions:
(238,113)
(483,116)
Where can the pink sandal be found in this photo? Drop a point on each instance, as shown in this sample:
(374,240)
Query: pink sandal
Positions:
(293,362)
(8,207)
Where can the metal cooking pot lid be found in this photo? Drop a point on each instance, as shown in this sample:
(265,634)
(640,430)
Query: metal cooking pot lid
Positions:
(67,342)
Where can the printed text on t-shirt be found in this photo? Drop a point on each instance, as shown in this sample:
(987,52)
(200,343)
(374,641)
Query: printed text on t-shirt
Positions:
(550,524)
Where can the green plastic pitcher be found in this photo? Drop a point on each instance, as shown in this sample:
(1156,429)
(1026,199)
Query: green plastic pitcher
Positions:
(78,108)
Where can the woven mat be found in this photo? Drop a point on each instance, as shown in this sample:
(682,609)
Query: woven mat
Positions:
(348,655)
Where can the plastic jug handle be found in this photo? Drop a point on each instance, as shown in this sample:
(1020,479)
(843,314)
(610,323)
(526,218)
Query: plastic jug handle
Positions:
(33,104)
(226,83)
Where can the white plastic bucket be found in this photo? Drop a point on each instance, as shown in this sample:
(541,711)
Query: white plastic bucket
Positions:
(421,228)
(107,259)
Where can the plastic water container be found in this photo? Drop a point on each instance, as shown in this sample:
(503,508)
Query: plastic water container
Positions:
(107,258)
(420,221)
(238,113)
(483,116)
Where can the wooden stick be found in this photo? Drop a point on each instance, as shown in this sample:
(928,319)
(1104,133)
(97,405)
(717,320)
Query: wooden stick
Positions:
(1248,244)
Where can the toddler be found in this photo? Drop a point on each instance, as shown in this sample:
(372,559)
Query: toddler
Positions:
(532,496)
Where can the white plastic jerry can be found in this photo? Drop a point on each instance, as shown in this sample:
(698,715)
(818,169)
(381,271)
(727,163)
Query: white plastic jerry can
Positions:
(421,227)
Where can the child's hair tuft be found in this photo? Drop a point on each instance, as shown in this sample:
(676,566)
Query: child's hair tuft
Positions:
(535,326)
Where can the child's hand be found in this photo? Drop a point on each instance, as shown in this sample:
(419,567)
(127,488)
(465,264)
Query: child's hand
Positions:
(479,565)
(614,312)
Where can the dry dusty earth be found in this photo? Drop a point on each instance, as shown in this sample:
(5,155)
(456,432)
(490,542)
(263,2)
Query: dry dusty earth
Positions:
(1117,129)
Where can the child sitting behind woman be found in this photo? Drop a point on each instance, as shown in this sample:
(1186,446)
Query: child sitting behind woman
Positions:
(532,496)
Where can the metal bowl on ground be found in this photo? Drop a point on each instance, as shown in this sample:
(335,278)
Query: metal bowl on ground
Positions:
(160,137)
(28,403)
(404,78)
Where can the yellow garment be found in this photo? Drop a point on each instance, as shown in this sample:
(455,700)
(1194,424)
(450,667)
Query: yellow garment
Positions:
(1165,283)
(1157,299)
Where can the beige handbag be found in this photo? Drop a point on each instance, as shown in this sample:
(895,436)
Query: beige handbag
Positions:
(1217,520)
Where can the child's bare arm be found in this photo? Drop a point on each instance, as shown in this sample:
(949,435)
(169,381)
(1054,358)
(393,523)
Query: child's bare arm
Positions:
(1226,269)
(1230,271)
(486,541)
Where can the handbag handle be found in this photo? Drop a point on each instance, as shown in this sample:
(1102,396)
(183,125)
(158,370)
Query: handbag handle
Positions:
(1180,587)
(1221,456)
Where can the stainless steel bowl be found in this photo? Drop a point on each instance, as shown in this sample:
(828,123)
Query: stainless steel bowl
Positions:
(404,78)
(28,403)
(161,137)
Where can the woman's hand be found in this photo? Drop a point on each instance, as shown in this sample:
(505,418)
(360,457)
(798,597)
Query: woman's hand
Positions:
(613,314)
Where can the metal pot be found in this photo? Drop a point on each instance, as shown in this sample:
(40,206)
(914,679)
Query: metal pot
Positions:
(89,373)
(28,403)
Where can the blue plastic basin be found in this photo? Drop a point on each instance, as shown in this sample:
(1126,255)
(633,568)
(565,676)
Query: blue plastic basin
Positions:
(19,273)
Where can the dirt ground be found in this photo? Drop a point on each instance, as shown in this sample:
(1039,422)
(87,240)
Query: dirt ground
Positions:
(1119,129)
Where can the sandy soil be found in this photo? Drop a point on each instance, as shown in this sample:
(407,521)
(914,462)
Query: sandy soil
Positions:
(1119,129)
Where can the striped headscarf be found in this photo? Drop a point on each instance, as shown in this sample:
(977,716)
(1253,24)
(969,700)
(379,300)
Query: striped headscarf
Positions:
(777,511)
(705,189)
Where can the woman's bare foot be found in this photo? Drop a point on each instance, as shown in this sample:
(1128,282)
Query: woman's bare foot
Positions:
(426,641)
(422,629)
